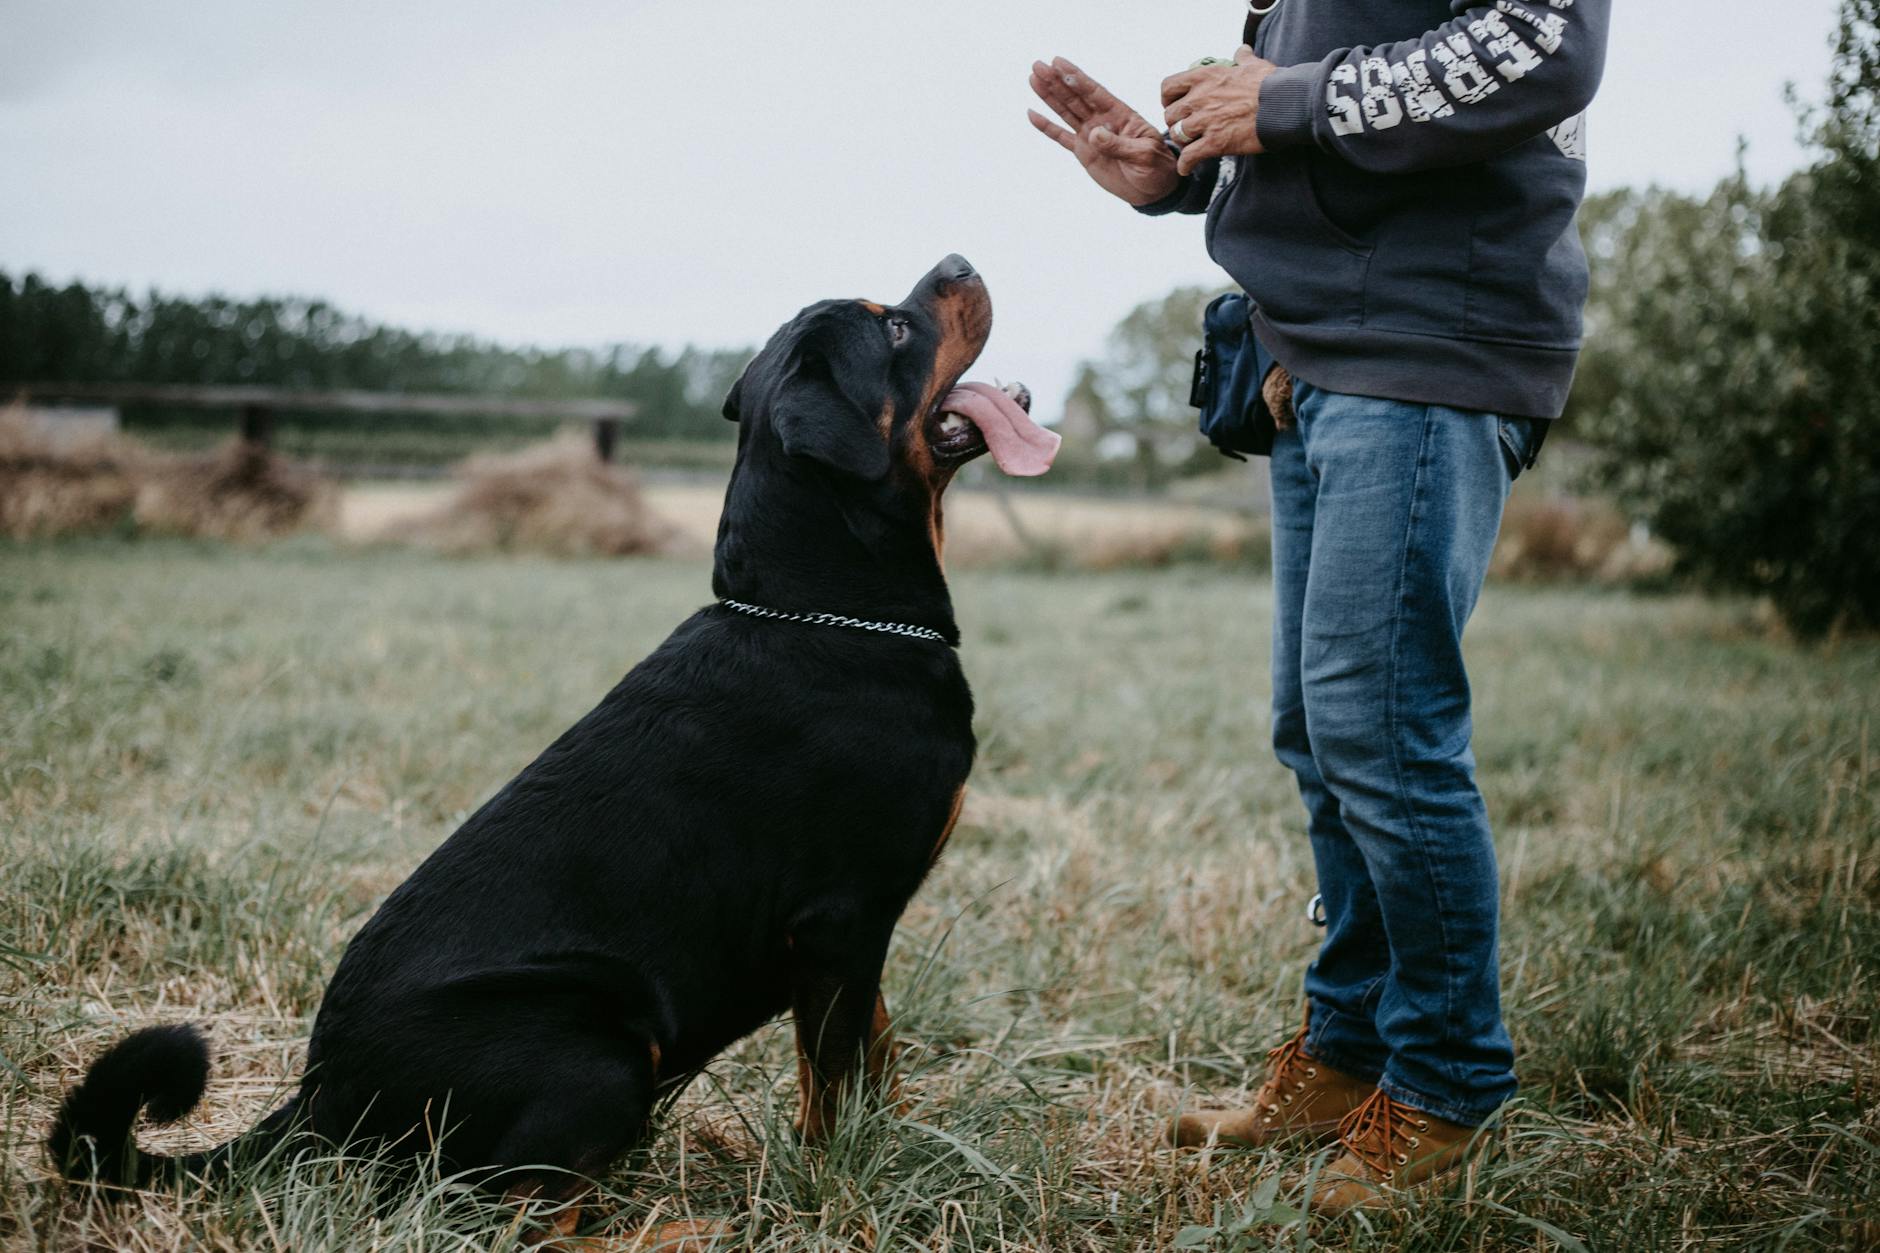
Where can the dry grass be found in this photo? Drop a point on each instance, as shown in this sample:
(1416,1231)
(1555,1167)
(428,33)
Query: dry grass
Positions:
(51,488)
(1054,529)
(1546,538)
(214,765)
(1556,538)
(237,492)
(555,498)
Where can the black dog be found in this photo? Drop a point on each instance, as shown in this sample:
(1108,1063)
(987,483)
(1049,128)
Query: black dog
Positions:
(733,832)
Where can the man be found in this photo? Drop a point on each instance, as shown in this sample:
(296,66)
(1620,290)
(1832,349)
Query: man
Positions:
(1394,183)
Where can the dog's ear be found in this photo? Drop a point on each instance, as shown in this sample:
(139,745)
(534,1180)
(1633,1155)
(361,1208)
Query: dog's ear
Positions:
(829,407)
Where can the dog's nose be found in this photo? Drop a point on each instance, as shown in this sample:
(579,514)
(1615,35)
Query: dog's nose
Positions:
(952,277)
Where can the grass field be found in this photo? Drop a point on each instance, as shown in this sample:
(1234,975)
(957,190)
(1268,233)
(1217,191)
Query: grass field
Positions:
(214,762)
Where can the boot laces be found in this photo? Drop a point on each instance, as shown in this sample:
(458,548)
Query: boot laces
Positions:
(1288,1067)
(1381,1132)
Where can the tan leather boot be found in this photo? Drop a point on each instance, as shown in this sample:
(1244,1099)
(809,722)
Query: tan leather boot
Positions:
(1388,1146)
(1302,1099)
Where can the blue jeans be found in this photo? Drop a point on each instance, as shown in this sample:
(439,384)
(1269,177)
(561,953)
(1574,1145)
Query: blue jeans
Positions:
(1384,517)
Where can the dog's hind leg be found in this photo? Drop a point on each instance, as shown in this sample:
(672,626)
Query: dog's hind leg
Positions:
(591,1107)
(591,1103)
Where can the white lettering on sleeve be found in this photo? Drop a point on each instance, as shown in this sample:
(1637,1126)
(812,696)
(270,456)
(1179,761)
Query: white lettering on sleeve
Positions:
(1346,117)
(1418,90)
(1512,57)
(1382,109)
(1377,95)
(1548,30)
(1463,74)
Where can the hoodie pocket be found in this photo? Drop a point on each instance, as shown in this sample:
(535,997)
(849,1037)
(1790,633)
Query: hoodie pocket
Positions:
(1275,237)
(1315,202)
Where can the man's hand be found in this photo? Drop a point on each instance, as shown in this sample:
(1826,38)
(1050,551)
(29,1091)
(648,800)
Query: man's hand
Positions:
(1215,111)
(1118,147)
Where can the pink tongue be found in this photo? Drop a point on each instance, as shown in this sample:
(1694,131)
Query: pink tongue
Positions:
(1018,444)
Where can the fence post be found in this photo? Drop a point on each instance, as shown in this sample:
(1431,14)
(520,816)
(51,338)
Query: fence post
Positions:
(257,425)
(606,434)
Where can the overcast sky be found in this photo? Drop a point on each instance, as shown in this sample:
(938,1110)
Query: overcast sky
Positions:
(581,172)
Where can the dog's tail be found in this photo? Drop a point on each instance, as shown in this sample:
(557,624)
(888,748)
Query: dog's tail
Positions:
(162,1072)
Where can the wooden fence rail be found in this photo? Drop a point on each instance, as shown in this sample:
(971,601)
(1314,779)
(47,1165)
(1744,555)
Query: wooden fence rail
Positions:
(256,407)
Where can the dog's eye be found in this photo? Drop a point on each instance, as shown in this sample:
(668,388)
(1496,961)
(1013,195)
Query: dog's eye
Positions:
(898,331)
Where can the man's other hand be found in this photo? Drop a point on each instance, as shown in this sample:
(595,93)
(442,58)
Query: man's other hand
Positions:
(1215,111)
(1119,149)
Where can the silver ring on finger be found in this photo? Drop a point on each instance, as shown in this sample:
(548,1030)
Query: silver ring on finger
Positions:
(1179,133)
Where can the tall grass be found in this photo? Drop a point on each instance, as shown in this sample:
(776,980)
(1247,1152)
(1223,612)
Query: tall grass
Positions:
(213,764)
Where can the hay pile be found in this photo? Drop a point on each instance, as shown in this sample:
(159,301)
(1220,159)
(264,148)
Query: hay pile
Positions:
(555,498)
(48,487)
(240,491)
(51,487)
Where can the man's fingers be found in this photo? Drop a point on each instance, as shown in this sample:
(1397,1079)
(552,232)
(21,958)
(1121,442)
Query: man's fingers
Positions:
(1182,108)
(1049,87)
(1186,132)
(1203,149)
(1175,86)
(1045,85)
(1244,54)
(1094,94)
(1070,90)
(1052,131)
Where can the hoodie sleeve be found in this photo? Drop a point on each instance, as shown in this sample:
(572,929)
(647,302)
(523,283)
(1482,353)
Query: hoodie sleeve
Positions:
(1496,76)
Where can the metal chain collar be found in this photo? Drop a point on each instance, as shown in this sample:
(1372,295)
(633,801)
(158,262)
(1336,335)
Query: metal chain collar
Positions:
(837,620)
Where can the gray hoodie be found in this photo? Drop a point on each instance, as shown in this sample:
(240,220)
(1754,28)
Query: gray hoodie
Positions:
(1409,232)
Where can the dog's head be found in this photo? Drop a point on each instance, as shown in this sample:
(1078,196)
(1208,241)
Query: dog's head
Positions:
(872,392)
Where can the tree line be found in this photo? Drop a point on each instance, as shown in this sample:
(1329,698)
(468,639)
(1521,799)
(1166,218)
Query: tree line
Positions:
(75,333)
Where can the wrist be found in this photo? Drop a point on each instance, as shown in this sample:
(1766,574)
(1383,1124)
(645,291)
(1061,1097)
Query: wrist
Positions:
(1167,204)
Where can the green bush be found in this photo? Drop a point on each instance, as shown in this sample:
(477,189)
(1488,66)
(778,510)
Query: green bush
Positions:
(1732,376)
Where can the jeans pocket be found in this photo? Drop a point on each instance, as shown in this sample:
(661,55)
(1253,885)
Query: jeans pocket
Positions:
(1521,440)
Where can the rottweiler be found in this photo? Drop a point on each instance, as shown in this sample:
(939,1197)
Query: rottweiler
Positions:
(732,833)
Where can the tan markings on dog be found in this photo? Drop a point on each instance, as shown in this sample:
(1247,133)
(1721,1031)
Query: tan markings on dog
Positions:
(879,1059)
(690,1235)
(964,324)
(919,461)
(693,1235)
(937,533)
(946,832)
(809,1105)
(872,307)
(653,1048)
(967,322)
(919,454)
(885,423)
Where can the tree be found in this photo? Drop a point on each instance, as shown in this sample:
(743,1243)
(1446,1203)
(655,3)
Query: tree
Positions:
(1140,388)
(1732,376)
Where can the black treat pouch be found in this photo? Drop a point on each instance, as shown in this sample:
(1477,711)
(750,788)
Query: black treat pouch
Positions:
(1228,372)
